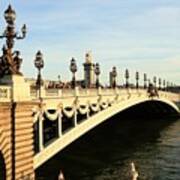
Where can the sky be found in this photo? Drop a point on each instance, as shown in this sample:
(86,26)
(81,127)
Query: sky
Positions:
(141,35)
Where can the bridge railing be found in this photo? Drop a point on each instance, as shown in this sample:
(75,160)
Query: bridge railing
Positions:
(65,93)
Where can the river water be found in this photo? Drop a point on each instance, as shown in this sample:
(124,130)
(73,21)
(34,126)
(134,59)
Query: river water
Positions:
(106,152)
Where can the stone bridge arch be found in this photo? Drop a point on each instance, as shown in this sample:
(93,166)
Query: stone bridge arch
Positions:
(151,108)
(95,120)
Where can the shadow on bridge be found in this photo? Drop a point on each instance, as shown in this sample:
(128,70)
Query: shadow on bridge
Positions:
(150,109)
(2,168)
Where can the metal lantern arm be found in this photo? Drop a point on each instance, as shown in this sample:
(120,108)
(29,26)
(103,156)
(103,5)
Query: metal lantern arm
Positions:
(23,31)
(4,35)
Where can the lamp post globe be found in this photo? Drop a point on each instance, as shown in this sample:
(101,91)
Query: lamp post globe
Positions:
(137,80)
(160,82)
(97,73)
(59,78)
(127,78)
(10,15)
(145,80)
(154,81)
(73,69)
(164,84)
(167,85)
(39,64)
(114,75)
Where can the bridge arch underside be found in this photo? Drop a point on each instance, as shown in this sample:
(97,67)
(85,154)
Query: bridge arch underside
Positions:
(136,108)
(150,109)
(2,168)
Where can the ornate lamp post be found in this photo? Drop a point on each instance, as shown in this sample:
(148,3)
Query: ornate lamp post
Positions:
(59,79)
(137,80)
(8,64)
(114,75)
(127,78)
(145,80)
(39,64)
(164,85)
(159,83)
(172,84)
(154,81)
(97,73)
(167,85)
(73,69)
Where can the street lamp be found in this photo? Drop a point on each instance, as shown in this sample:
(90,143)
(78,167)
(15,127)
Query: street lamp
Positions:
(159,83)
(59,79)
(10,66)
(154,81)
(164,84)
(97,73)
(39,64)
(73,69)
(127,78)
(145,80)
(137,80)
(167,85)
(114,75)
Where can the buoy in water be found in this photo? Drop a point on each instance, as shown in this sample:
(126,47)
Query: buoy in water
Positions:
(134,172)
(61,176)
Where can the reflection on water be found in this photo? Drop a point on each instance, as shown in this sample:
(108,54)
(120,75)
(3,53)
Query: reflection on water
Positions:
(106,152)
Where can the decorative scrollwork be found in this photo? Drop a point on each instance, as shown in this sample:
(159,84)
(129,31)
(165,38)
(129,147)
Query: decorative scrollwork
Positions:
(3,93)
(10,63)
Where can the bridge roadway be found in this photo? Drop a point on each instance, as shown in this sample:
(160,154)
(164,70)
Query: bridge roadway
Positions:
(104,103)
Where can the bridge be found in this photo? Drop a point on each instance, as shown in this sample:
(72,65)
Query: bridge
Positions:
(96,106)
(37,123)
(43,127)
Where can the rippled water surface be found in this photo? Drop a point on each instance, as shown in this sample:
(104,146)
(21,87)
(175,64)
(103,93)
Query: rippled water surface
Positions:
(106,152)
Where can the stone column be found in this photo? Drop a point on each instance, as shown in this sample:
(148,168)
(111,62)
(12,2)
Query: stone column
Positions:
(41,146)
(59,123)
(75,118)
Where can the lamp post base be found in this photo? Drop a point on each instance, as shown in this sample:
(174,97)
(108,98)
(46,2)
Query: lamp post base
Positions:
(20,90)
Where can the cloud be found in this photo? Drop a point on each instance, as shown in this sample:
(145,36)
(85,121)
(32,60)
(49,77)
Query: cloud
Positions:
(138,34)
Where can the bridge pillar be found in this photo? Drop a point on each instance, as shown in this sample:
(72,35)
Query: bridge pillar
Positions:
(75,118)
(23,140)
(16,139)
(88,112)
(6,138)
(60,124)
(41,144)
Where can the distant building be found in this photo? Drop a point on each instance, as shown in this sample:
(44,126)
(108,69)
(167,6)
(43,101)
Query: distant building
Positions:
(89,79)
